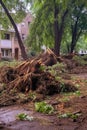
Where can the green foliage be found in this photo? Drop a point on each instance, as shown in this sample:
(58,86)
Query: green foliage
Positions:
(42,28)
(57,69)
(78,93)
(43,107)
(58,78)
(42,68)
(9,63)
(70,115)
(17,10)
(64,99)
(32,95)
(23,116)
(63,87)
(76,27)
(31,53)
(81,60)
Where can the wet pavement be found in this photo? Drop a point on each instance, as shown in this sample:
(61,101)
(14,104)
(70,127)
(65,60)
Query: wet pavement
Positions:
(9,121)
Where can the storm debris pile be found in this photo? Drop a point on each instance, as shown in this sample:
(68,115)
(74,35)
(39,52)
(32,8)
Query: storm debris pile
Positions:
(29,76)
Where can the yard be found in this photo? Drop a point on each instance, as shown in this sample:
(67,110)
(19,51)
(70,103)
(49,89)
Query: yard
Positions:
(59,101)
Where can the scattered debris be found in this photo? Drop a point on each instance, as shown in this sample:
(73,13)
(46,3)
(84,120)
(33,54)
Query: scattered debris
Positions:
(31,75)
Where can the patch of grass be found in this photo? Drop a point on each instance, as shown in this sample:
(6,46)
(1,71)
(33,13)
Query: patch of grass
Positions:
(85,81)
(32,95)
(73,78)
(42,68)
(43,107)
(77,85)
(69,115)
(63,87)
(80,60)
(78,93)
(58,78)
(9,63)
(56,69)
(64,99)
(23,116)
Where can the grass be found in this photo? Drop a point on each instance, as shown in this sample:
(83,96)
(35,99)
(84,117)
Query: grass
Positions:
(43,107)
(57,69)
(10,64)
(64,99)
(24,116)
(81,60)
(32,95)
(70,115)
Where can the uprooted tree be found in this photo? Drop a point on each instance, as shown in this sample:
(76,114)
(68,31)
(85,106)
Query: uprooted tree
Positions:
(31,77)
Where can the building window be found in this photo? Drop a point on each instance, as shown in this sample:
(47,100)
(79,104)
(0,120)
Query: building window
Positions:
(6,52)
(28,23)
(23,36)
(2,52)
(7,36)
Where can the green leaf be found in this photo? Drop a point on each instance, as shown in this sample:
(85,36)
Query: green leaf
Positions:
(43,107)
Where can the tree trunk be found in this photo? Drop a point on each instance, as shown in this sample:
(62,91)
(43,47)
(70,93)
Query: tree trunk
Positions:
(74,35)
(58,30)
(57,38)
(74,41)
(23,52)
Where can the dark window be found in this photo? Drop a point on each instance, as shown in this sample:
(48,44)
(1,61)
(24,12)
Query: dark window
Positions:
(6,52)
(23,36)
(2,52)
(6,36)
(28,23)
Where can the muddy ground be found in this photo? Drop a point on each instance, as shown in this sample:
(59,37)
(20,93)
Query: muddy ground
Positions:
(70,108)
(75,104)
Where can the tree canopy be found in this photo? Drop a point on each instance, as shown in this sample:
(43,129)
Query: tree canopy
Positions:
(58,22)
(17,10)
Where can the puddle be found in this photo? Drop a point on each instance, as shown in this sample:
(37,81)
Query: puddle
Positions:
(8,114)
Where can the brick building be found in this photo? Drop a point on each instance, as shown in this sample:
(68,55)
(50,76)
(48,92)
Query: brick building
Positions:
(9,47)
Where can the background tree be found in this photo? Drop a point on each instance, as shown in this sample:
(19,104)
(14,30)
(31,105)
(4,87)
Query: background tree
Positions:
(49,23)
(78,24)
(76,27)
(13,6)
(58,24)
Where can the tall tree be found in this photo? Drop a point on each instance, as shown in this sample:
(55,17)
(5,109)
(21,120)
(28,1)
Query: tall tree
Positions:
(76,26)
(49,23)
(58,27)
(78,23)
(23,52)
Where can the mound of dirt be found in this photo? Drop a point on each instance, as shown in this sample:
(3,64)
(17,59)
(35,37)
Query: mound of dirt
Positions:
(29,76)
